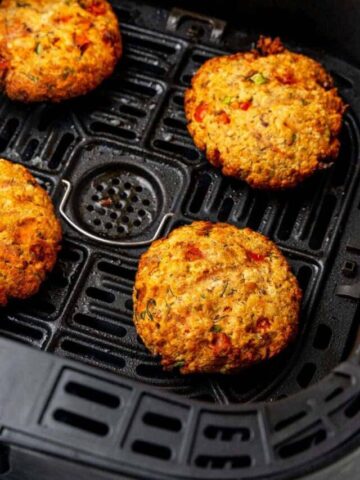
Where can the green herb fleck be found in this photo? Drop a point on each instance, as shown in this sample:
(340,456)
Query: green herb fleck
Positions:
(292,139)
(216,329)
(259,79)
(31,77)
(179,364)
(38,48)
(304,102)
(224,289)
(151,303)
(171,292)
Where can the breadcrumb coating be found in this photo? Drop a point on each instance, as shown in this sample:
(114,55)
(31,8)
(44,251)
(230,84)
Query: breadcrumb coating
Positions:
(52,50)
(215,298)
(270,117)
(30,233)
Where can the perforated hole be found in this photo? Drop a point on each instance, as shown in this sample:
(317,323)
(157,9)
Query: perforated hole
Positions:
(151,449)
(257,212)
(322,337)
(126,202)
(132,111)
(8,132)
(227,434)
(61,149)
(225,209)
(337,391)
(322,223)
(201,187)
(99,324)
(20,329)
(304,276)
(101,295)
(80,422)
(353,408)
(299,446)
(183,151)
(91,354)
(306,374)
(101,127)
(117,270)
(343,163)
(92,394)
(162,421)
(289,218)
(223,462)
(289,421)
(153,371)
(30,149)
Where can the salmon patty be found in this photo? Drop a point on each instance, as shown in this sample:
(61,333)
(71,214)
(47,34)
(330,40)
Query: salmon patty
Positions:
(270,117)
(215,298)
(52,50)
(30,234)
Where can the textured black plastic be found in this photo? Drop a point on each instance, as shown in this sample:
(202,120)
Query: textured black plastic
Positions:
(127,153)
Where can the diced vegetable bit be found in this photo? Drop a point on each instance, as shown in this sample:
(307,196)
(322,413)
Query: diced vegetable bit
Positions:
(96,8)
(258,78)
(200,112)
(179,364)
(228,100)
(223,117)
(257,257)
(245,105)
(216,329)
(221,343)
(82,41)
(192,252)
(3,63)
(287,78)
(263,323)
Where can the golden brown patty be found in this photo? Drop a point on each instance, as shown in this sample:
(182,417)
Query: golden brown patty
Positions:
(56,49)
(270,117)
(214,298)
(29,233)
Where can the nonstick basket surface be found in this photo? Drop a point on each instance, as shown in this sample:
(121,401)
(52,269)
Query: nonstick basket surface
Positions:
(125,151)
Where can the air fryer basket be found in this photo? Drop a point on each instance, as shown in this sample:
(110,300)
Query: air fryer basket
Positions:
(123,170)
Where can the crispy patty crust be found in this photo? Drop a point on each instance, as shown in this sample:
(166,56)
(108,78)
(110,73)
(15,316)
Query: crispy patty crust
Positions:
(29,233)
(270,117)
(214,298)
(52,50)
